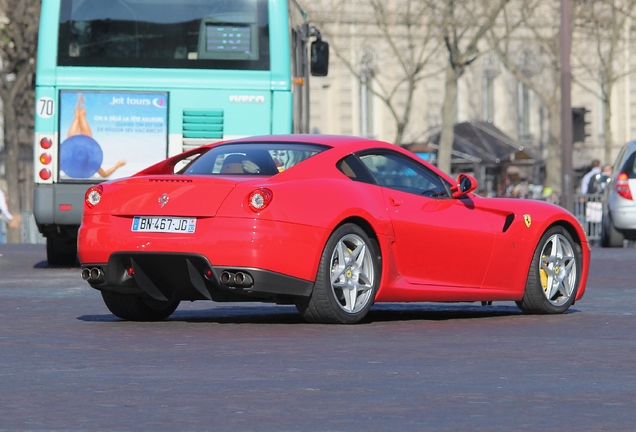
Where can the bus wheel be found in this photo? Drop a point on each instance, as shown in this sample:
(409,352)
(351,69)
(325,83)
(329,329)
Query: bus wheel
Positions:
(61,250)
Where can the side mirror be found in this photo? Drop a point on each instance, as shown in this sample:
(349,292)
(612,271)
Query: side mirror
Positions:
(319,58)
(465,184)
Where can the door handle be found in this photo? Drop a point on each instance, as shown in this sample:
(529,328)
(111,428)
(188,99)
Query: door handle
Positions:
(395,203)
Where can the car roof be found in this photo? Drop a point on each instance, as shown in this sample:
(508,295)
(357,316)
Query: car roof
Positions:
(329,140)
(341,143)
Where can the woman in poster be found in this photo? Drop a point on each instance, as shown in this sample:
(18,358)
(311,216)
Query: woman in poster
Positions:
(80,155)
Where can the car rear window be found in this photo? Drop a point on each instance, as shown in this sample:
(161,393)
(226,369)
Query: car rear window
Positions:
(629,167)
(266,159)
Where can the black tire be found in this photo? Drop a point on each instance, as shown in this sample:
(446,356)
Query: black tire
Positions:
(333,303)
(61,250)
(554,275)
(610,237)
(138,308)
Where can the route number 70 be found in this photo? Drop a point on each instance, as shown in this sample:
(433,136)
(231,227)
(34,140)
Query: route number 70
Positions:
(46,107)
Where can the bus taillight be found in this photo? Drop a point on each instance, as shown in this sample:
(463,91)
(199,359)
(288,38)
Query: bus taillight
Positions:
(44,161)
(45,158)
(45,174)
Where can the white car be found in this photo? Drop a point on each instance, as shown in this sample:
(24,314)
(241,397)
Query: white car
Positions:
(619,211)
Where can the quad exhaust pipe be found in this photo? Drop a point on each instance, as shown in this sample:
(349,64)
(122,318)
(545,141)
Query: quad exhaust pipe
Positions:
(94,274)
(229,278)
(236,279)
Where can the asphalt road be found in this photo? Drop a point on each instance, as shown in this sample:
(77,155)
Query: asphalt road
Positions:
(67,364)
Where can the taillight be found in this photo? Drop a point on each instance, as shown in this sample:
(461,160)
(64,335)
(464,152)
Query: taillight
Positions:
(45,158)
(45,152)
(45,174)
(93,196)
(259,199)
(622,186)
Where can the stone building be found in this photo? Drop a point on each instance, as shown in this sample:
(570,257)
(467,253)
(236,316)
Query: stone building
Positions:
(364,66)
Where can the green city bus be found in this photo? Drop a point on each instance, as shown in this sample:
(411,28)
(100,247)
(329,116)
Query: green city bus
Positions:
(122,84)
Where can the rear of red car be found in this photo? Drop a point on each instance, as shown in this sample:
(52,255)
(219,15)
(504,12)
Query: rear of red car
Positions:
(203,233)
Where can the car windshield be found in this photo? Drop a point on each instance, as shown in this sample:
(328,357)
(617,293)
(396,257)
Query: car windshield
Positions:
(211,34)
(265,159)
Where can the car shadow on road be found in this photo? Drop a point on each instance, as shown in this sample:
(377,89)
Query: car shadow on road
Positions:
(45,265)
(440,312)
(222,315)
(289,315)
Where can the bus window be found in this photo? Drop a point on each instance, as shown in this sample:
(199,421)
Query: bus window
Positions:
(209,34)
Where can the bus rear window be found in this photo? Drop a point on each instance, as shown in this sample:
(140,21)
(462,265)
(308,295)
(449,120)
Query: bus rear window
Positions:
(202,34)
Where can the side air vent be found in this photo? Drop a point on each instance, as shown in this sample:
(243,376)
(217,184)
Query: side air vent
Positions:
(509,219)
(202,124)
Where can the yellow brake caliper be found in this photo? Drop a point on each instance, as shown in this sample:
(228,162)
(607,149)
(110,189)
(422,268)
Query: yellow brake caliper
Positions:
(544,276)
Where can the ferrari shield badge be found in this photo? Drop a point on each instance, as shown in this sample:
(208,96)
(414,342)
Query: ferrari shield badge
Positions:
(527,219)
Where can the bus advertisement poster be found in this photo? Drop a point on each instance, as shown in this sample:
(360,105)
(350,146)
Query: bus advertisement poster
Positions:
(108,135)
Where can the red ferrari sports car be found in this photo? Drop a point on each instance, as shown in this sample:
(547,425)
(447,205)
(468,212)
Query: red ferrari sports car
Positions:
(331,224)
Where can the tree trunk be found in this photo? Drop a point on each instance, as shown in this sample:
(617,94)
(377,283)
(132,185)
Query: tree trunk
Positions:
(553,159)
(449,114)
(399,133)
(12,148)
(607,130)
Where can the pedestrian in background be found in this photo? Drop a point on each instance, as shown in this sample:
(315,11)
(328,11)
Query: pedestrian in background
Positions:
(5,216)
(596,169)
(605,177)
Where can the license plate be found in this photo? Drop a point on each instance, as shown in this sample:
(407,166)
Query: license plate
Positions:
(164,224)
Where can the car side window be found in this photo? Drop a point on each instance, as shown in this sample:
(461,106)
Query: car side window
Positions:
(395,171)
(353,168)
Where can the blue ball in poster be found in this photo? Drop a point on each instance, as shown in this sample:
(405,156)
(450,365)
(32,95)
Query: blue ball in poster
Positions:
(80,156)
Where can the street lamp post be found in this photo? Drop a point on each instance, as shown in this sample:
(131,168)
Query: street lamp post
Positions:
(567,186)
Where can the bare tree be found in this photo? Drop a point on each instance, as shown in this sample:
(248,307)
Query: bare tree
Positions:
(395,48)
(464,25)
(601,30)
(18,41)
(528,47)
